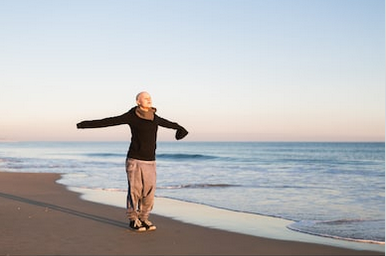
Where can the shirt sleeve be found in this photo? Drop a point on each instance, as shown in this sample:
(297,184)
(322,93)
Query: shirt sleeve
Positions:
(166,123)
(181,131)
(110,121)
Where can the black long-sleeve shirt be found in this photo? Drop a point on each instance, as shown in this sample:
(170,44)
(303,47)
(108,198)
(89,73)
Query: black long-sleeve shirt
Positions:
(143,132)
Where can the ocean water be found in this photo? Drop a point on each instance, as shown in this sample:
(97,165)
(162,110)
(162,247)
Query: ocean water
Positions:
(327,189)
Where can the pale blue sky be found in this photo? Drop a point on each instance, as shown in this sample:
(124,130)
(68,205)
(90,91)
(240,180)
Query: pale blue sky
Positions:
(259,70)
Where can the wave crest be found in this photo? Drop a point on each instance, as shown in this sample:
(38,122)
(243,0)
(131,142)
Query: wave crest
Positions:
(185,156)
(104,155)
(203,185)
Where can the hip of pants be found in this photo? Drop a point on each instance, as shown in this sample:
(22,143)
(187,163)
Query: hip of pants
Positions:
(141,178)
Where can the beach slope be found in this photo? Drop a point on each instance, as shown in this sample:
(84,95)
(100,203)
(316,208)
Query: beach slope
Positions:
(40,217)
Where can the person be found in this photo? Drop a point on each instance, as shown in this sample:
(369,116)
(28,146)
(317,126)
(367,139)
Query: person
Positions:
(140,160)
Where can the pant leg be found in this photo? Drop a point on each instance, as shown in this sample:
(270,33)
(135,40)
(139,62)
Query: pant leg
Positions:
(134,190)
(149,175)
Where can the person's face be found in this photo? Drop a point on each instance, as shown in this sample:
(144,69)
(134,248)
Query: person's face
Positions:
(144,101)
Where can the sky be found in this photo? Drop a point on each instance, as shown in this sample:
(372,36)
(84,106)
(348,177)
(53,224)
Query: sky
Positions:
(226,70)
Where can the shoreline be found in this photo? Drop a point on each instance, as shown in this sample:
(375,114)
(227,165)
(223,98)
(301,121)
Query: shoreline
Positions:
(207,216)
(39,216)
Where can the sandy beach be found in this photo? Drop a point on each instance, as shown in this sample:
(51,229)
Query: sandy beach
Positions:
(40,217)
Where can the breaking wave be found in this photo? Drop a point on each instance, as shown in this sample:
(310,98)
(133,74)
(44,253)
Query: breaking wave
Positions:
(182,156)
(204,185)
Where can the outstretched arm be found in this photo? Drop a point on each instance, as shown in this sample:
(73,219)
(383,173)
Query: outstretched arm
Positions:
(181,131)
(110,121)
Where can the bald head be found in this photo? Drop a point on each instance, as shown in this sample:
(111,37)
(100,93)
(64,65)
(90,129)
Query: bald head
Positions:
(144,101)
(140,95)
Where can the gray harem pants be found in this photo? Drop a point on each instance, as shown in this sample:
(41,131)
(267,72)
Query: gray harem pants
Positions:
(141,178)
